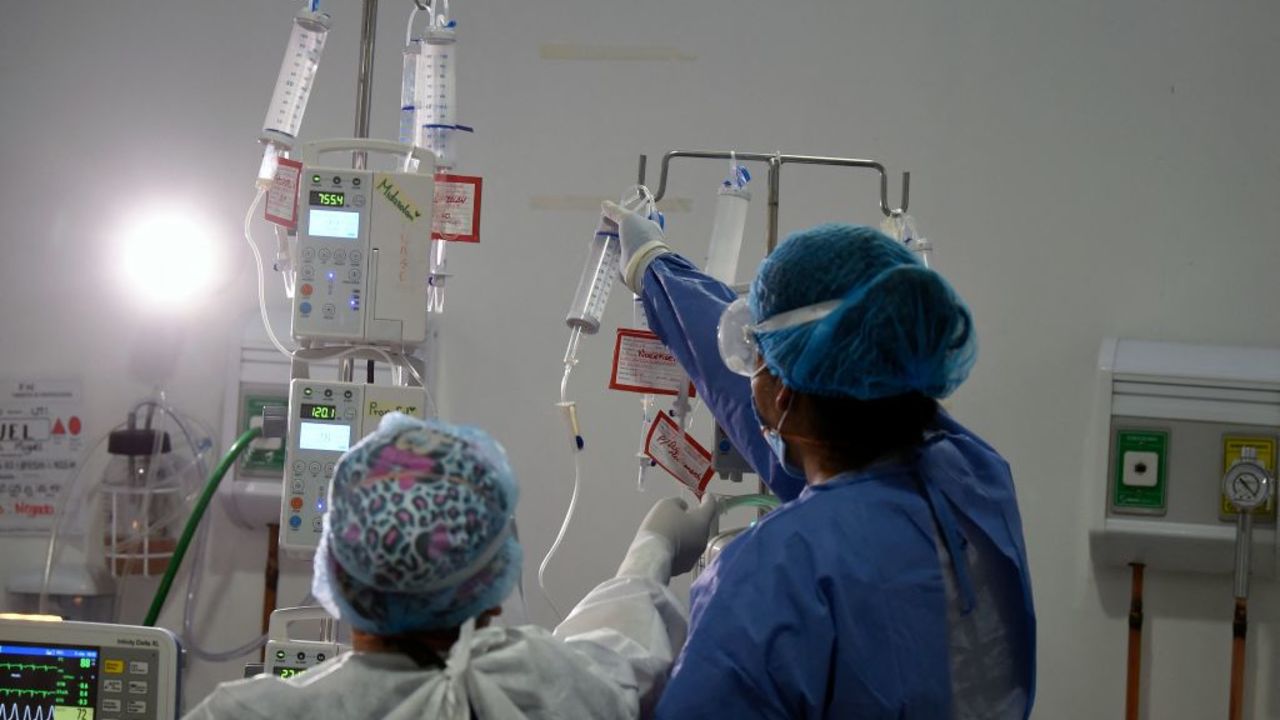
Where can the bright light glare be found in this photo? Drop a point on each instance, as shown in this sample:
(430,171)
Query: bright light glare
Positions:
(168,258)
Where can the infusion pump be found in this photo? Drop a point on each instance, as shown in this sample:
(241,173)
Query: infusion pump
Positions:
(325,419)
(363,248)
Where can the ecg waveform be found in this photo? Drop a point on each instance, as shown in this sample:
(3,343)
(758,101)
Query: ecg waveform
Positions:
(27,692)
(25,712)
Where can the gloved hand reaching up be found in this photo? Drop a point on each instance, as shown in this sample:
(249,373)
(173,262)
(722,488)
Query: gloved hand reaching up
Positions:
(641,241)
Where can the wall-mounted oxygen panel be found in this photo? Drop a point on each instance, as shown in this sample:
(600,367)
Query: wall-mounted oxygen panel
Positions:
(1173,418)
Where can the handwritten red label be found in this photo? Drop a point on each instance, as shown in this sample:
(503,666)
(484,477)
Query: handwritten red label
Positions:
(282,196)
(642,364)
(456,216)
(679,454)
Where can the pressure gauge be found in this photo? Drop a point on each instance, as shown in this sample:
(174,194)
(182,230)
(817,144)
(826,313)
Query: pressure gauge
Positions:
(1246,485)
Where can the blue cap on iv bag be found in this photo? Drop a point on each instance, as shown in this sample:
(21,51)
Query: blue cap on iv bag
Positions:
(738,178)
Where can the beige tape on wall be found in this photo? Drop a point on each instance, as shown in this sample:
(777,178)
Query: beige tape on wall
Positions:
(591,203)
(633,53)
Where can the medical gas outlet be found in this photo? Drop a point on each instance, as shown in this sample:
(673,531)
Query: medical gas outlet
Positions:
(1260,451)
(1173,420)
(1140,471)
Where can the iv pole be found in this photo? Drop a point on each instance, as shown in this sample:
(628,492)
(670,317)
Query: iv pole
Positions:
(364,92)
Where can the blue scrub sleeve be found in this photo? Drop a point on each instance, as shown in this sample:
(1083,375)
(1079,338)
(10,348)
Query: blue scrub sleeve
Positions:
(683,306)
(762,648)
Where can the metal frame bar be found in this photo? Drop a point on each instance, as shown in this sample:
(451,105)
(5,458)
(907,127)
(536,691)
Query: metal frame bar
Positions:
(776,161)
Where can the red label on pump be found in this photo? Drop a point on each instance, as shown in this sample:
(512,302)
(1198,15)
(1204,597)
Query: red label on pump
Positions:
(282,196)
(456,215)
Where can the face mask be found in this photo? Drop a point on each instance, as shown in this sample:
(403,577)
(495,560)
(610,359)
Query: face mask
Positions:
(773,436)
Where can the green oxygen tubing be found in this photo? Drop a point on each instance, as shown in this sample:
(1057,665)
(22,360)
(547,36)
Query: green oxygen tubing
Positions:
(761,500)
(193,522)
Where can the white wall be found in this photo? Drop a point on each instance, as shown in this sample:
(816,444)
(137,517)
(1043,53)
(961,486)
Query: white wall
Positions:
(1085,169)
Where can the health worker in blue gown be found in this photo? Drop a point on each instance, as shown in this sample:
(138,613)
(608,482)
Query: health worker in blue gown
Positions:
(893,582)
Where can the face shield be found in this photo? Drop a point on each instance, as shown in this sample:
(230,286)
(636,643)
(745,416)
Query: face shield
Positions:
(736,334)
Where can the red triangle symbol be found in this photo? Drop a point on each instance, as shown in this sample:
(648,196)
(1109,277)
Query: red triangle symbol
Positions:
(57,427)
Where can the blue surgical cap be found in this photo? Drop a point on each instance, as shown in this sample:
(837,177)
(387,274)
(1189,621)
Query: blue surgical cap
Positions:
(418,535)
(899,328)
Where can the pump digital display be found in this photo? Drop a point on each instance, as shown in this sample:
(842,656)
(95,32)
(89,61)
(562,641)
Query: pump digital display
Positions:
(328,199)
(321,436)
(343,224)
(319,412)
(288,672)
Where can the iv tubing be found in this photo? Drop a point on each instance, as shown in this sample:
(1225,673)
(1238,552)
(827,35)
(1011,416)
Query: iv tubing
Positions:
(408,30)
(50,555)
(286,273)
(564,527)
(195,575)
(162,592)
(575,450)
(570,359)
(257,259)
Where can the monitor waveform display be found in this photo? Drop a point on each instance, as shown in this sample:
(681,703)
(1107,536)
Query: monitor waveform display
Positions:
(47,682)
(14,711)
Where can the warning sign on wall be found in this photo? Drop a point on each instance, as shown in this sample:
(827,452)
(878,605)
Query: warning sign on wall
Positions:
(41,440)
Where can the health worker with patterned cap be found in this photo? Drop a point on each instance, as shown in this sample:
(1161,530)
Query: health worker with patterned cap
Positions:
(893,582)
(417,554)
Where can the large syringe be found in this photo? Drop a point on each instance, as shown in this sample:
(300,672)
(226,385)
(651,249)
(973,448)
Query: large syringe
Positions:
(585,313)
(598,275)
(429,113)
(293,89)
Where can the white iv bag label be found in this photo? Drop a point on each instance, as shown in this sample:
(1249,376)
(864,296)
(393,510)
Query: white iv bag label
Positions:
(642,364)
(456,215)
(41,439)
(282,196)
(679,454)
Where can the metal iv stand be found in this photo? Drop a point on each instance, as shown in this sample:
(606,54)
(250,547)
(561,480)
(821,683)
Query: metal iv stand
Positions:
(775,162)
(364,92)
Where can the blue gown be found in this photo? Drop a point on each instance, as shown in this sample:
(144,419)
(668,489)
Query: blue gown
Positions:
(836,604)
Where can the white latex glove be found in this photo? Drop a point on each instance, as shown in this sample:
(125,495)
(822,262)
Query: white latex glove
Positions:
(685,529)
(641,240)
